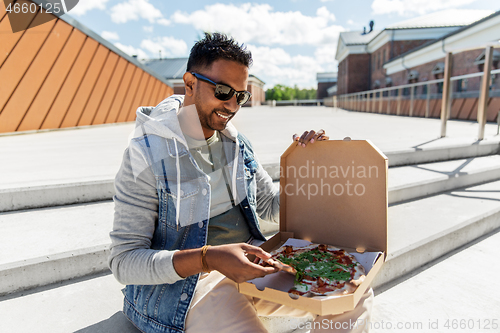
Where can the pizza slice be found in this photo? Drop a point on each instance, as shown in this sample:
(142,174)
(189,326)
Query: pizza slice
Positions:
(320,270)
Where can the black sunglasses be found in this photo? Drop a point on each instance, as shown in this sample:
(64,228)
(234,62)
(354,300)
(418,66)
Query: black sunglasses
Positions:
(224,92)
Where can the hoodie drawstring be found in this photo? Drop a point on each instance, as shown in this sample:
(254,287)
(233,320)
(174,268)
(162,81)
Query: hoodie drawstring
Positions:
(235,169)
(177,166)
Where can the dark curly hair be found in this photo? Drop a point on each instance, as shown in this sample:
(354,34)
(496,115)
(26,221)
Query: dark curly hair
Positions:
(214,47)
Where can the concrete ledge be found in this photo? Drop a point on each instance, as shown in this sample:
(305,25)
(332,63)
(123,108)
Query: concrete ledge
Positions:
(417,255)
(55,195)
(436,154)
(31,273)
(12,199)
(441,184)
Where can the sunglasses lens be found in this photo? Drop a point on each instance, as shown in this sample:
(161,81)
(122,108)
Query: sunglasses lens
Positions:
(223,92)
(242,97)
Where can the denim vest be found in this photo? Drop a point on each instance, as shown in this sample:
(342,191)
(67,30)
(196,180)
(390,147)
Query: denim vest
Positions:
(163,308)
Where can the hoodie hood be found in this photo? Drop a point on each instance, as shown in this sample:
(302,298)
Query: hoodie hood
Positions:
(162,121)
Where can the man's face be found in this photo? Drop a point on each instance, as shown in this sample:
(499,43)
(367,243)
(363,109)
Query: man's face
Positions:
(214,114)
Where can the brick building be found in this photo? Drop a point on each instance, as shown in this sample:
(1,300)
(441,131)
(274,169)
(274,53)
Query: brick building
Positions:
(327,84)
(426,62)
(173,69)
(364,57)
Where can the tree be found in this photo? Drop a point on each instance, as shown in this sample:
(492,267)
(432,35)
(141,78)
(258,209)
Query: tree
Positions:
(283,93)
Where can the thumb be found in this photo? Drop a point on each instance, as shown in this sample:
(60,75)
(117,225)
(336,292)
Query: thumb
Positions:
(295,137)
(257,251)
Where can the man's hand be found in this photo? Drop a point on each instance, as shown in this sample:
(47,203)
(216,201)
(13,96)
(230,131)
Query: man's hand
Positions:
(231,260)
(310,136)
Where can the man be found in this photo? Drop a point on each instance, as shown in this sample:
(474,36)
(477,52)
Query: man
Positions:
(187,199)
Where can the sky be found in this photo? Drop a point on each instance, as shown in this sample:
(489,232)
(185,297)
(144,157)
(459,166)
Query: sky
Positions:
(290,40)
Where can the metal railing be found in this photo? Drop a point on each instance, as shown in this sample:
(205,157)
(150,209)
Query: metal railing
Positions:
(295,102)
(373,100)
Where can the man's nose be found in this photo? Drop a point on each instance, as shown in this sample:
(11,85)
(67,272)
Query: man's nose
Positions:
(231,104)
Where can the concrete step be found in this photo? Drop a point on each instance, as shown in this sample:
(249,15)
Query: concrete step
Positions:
(420,180)
(429,296)
(72,241)
(43,246)
(405,183)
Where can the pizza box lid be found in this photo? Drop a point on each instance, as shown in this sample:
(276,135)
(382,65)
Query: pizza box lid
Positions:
(335,192)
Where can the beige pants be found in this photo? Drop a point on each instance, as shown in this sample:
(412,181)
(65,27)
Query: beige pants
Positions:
(218,307)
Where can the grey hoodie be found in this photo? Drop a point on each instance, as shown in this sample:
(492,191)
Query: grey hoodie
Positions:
(132,260)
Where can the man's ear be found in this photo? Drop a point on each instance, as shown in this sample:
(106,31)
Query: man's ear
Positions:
(188,83)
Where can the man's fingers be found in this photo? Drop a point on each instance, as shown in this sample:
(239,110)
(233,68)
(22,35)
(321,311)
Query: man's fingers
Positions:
(317,136)
(302,138)
(306,138)
(295,137)
(257,251)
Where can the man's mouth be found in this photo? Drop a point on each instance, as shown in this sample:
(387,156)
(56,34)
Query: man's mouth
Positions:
(220,115)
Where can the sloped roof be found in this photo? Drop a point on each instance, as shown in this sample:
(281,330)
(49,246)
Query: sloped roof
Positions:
(357,37)
(173,68)
(438,40)
(444,18)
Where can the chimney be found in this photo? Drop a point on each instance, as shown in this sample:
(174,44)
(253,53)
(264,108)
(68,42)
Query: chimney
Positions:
(372,23)
(364,31)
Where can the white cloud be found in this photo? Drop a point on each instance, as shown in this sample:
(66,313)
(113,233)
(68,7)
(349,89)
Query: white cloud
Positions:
(325,56)
(130,50)
(325,13)
(169,47)
(148,28)
(110,35)
(326,0)
(276,66)
(258,23)
(84,6)
(350,22)
(164,21)
(409,7)
(133,10)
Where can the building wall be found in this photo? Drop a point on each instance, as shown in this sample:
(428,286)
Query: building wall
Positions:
(387,52)
(258,95)
(321,91)
(354,74)
(54,76)
(464,97)
(462,63)
(179,89)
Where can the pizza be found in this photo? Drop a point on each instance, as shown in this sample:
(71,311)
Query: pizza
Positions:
(320,270)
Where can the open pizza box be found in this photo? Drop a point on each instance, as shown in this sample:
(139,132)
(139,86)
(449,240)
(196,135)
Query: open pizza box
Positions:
(335,193)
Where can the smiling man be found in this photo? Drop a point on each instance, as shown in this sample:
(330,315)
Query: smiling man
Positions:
(188,195)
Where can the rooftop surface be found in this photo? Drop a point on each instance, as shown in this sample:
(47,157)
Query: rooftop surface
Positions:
(444,18)
(357,37)
(94,153)
(168,68)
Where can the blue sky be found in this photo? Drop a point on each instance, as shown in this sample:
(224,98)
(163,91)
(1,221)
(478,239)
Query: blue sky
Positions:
(291,40)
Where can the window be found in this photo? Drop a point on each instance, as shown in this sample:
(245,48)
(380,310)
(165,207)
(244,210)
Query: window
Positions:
(440,87)
(462,85)
(424,90)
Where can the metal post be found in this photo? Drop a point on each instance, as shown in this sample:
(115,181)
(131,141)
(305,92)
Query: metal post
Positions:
(428,101)
(446,93)
(380,101)
(398,111)
(389,101)
(498,122)
(484,95)
(411,100)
